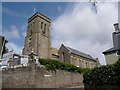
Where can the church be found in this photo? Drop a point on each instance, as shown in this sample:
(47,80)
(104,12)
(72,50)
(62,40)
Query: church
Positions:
(38,39)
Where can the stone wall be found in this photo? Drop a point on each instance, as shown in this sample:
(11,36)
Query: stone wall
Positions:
(67,56)
(64,54)
(38,77)
(38,36)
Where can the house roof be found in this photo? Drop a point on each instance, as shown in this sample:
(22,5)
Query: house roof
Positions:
(54,51)
(110,50)
(80,53)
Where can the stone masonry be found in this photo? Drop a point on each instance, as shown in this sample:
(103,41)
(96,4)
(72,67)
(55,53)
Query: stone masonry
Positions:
(38,36)
(35,76)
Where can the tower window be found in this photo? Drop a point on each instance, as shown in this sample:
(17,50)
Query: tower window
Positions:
(45,27)
(31,32)
(44,31)
(41,25)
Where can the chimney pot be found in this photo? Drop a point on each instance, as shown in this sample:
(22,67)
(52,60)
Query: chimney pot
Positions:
(116,27)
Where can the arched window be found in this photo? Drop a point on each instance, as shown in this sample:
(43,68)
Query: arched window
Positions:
(86,64)
(80,63)
(41,25)
(31,32)
(63,56)
(44,31)
(91,65)
(45,27)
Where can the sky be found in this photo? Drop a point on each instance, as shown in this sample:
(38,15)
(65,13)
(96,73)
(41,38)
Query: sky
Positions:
(81,26)
(0,18)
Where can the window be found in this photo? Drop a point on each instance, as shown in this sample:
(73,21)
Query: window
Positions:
(43,31)
(45,27)
(41,25)
(118,53)
(86,64)
(31,32)
(80,63)
(63,56)
(30,38)
(31,25)
(71,58)
(74,61)
(91,65)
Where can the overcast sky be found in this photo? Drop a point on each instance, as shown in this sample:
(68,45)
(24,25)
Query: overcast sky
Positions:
(82,26)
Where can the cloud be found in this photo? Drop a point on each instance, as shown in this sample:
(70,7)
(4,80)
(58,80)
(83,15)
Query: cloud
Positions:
(23,34)
(13,33)
(12,13)
(11,46)
(23,29)
(0,18)
(59,8)
(80,27)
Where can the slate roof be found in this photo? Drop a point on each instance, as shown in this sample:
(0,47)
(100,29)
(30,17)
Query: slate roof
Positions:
(80,53)
(110,50)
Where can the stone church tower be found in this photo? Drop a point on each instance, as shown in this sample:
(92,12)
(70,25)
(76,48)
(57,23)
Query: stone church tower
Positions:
(38,36)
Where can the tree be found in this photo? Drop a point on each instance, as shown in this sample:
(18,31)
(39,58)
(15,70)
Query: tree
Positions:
(5,49)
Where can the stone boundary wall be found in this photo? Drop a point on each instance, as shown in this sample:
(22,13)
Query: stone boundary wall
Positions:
(39,77)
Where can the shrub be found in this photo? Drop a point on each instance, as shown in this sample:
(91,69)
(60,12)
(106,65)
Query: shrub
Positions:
(104,75)
(51,64)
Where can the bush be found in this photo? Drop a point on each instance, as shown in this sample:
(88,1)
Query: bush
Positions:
(51,64)
(104,75)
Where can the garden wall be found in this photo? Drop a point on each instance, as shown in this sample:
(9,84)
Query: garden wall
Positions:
(34,76)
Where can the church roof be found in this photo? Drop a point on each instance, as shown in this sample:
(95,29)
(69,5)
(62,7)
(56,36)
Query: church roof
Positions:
(38,14)
(80,53)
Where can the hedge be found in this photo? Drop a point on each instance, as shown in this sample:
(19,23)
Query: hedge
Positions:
(52,64)
(104,75)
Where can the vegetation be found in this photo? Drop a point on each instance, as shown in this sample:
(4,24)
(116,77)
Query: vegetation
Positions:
(52,64)
(104,75)
(5,49)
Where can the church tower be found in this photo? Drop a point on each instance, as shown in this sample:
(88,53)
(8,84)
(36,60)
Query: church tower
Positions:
(38,36)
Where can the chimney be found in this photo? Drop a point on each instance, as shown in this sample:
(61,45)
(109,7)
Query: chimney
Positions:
(116,26)
(116,37)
